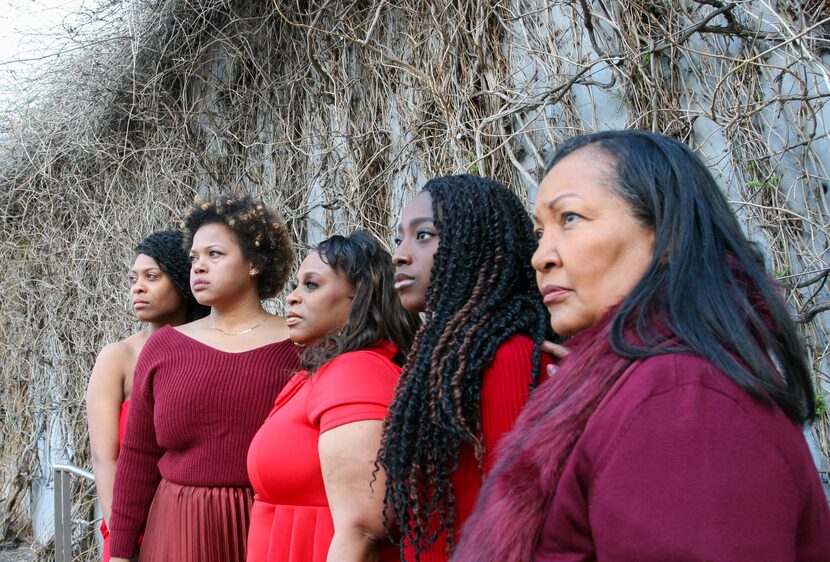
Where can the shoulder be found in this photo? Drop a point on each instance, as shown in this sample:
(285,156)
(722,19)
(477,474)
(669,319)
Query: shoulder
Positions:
(515,352)
(506,381)
(513,360)
(670,380)
(116,352)
(682,400)
(110,369)
(164,346)
(362,364)
(363,381)
(356,373)
(652,377)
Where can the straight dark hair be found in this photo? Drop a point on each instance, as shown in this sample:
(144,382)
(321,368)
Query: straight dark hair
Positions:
(706,283)
(377,313)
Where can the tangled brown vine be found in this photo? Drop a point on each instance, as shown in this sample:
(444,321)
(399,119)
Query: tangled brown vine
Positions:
(336,112)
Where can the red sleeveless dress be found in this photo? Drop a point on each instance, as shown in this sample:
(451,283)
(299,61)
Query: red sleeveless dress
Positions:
(122,425)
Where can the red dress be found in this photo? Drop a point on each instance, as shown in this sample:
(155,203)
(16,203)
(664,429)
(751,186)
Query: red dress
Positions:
(122,425)
(504,392)
(290,519)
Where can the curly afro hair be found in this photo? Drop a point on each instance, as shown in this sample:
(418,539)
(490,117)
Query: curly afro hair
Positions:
(261,233)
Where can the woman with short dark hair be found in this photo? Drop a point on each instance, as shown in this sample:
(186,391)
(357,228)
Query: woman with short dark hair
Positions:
(673,430)
(202,390)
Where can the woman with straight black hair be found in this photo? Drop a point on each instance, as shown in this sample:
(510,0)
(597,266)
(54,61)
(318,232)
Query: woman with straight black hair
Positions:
(673,430)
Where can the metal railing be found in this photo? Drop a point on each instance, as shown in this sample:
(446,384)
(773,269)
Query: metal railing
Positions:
(63,508)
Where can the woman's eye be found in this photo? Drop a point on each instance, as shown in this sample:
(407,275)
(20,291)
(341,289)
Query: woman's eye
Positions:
(397,241)
(132,279)
(538,233)
(193,259)
(423,235)
(214,253)
(310,285)
(292,286)
(568,218)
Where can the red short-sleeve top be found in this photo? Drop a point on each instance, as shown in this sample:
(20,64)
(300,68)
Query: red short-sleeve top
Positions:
(290,519)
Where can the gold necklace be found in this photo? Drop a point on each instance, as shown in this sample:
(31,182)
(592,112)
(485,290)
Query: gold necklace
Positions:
(252,328)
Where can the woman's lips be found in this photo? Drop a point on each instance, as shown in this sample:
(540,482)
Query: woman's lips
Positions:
(140,305)
(553,293)
(292,319)
(199,285)
(403,281)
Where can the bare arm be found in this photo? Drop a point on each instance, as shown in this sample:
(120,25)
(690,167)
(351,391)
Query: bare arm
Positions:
(104,396)
(347,458)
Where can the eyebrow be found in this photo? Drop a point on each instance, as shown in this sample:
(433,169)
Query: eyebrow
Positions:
(552,203)
(210,247)
(416,221)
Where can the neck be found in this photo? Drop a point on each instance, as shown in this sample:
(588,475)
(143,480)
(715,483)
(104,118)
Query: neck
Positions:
(239,315)
(176,319)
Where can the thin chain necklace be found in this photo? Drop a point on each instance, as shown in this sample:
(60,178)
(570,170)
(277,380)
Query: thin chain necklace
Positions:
(245,331)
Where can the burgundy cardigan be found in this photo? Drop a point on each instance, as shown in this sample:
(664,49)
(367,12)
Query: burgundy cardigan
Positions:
(678,463)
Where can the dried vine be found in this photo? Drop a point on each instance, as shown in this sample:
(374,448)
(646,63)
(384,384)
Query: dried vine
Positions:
(336,112)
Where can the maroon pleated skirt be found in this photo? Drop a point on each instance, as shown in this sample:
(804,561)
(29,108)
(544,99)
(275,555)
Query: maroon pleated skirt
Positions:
(197,524)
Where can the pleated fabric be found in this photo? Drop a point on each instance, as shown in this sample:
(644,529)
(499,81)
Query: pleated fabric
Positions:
(197,524)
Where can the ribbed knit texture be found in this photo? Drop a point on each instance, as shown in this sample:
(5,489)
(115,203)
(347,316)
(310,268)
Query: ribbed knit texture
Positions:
(194,410)
(504,392)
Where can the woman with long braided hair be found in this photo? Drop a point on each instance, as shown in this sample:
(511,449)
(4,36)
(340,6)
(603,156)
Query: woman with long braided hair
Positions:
(463,259)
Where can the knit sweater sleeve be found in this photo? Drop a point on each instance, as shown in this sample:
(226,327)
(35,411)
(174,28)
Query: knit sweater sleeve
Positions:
(137,475)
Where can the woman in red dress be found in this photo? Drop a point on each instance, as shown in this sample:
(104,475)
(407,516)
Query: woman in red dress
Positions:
(319,495)
(463,259)
(161,296)
(202,390)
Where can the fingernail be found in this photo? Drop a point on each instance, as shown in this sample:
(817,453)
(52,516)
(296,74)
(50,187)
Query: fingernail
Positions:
(552,370)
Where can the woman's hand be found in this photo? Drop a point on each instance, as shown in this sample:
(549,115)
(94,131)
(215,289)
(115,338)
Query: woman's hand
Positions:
(355,493)
(556,350)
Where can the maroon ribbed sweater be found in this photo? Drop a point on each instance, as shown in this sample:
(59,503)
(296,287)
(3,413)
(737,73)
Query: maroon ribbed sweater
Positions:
(193,412)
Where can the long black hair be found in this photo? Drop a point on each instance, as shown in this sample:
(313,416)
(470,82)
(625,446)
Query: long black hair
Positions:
(706,283)
(377,313)
(165,247)
(482,291)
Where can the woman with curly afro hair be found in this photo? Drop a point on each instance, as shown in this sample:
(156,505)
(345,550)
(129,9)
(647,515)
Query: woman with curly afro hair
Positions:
(463,259)
(160,294)
(202,390)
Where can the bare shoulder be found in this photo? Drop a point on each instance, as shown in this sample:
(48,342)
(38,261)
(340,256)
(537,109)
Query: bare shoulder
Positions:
(134,344)
(112,366)
(114,354)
